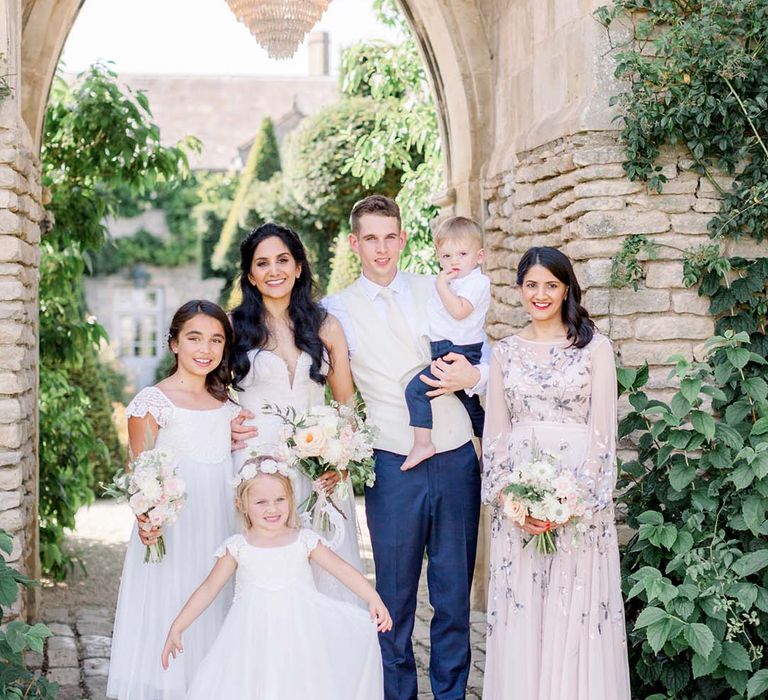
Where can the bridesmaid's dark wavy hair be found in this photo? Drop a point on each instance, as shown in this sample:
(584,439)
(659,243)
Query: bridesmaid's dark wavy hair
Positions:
(580,326)
(217,381)
(248,319)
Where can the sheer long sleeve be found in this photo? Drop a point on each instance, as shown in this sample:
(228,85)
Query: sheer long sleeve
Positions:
(496,433)
(598,471)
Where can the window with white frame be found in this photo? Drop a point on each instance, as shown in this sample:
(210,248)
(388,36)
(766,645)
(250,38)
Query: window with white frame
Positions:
(139,320)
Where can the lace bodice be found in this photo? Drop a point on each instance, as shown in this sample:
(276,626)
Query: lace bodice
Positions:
(201,434)
(271,568)
(534,387)
(268,381)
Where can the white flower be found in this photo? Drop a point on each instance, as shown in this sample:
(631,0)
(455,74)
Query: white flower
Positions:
(149,486)
(157,515)
(560,512)
(268,466)
(541,471)
(139,503)
(173,487)
(333,452)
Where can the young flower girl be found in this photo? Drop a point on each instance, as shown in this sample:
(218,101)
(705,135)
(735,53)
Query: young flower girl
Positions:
(282,638)
(187,415)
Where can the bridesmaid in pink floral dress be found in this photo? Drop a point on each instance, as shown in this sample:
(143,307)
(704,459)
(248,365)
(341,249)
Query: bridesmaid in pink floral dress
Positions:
(555,622)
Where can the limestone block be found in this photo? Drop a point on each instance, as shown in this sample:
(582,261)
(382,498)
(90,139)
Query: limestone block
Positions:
(688,326)
(12,289)
(13,519)
(13,249)
(599,224)
(658,353)
(96,667)
(8,177)
(13,332)
(10,222)
(9,499)
(65,676)
(563,199)
(62,652)
(587,249)
(9,200)
(7,458)
(711,206)
(11,356)
(13,309)
(592,273)
(599,156)
(7,155)
(670,203)
(597,301)
(10,477)
(615,328)
(10,410)
(746,248)
(497,331)
(60,629)
(607,188)
(663,275)
(672,246)
(547,169)
(31,231)
(684,183)
(96,646)
(689,302)
(502,276)
(601,172)
(707,189)
(690,223)
(528,193)
(581,206)
(659,378)
(629,301)
(11,435)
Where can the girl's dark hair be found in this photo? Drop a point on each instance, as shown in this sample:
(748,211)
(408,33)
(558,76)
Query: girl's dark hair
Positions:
(217,381)
(305,314)
(580,326)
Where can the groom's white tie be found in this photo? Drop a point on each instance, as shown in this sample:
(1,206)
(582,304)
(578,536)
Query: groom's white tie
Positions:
(397,322)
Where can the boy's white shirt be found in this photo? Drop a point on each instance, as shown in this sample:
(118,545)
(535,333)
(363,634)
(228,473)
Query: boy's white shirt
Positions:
(475,287)
(404,298)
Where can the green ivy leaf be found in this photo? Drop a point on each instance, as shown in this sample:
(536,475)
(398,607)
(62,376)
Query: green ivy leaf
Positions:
(658,633)
(703,423)
(760,427)
(758,684)
(650,517)
(738,357)
(735,657)
(681,475)
(753,510)
(700,637)
(742,476)
(690,388)
(650,616)
(751,563)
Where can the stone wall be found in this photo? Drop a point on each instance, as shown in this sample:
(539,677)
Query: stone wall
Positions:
(573,194)
(20,217)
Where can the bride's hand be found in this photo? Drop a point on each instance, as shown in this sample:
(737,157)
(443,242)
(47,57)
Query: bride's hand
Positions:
(327,481)
(534,526)
(149,536)
(242,433)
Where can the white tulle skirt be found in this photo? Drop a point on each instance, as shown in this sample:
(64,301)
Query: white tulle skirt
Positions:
(292,644)
(151,595)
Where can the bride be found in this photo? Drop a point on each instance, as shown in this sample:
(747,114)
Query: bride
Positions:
(287,350)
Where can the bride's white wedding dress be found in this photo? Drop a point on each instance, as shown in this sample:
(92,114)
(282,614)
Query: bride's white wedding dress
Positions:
(269,382)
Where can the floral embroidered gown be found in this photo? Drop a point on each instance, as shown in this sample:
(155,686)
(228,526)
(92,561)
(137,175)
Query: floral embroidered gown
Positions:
(555,622)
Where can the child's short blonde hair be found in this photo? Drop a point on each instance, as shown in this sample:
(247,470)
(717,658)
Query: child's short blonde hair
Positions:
(458,228)
(241,498)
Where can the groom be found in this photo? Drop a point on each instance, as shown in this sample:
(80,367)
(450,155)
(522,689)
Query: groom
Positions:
(435,506)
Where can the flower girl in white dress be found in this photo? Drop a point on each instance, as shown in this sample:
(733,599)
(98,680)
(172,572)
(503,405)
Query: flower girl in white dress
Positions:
(188,415)
(282,639)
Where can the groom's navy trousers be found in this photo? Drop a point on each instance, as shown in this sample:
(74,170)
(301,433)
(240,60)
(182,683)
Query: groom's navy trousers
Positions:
(434,507)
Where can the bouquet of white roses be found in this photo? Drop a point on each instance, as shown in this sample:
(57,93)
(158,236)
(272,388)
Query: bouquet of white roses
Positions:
(152,489)
(541,489)
(327,438)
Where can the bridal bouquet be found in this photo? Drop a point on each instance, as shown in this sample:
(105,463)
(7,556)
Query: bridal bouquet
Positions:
(153,489)
(543,491)
(324,438)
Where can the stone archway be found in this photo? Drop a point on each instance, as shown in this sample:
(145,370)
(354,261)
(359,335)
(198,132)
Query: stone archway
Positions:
(530,150)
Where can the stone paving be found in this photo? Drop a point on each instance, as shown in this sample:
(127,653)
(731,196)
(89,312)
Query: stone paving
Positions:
(77,655)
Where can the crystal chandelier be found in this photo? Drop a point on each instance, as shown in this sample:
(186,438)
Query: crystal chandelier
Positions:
(279,26)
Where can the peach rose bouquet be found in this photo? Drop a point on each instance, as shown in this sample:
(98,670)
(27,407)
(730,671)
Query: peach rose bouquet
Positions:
(322,438)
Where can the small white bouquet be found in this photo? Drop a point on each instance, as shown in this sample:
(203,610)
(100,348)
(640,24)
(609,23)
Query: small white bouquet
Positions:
(152,488)
(325,438)
(542,490)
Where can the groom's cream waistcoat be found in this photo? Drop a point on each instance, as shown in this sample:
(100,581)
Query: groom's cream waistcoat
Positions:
(382,367)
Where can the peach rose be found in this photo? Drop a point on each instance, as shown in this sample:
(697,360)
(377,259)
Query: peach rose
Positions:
(515,511)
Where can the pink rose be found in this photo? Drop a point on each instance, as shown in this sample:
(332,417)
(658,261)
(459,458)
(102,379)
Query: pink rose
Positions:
(515,511)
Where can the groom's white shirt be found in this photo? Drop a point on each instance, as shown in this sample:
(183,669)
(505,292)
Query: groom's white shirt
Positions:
(387,402)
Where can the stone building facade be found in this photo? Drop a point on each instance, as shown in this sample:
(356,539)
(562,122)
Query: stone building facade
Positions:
(531,150)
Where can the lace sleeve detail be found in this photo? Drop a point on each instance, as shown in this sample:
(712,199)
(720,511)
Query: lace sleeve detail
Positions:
(497,463)
(231,545)
(151,400)
(310,539)
(598,470)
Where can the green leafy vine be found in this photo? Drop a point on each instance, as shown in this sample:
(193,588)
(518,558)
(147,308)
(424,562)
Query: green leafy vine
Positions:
(696,571)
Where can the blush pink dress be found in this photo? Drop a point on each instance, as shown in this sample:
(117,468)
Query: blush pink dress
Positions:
(555,622)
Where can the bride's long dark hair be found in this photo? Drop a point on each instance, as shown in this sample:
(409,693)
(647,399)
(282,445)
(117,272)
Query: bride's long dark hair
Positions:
(305,314)
(580,326)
